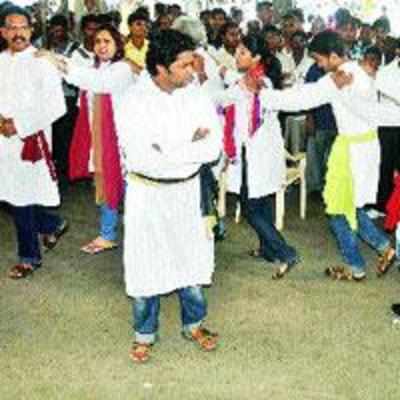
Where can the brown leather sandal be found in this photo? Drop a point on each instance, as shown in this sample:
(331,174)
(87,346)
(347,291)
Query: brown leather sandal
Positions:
(385,261)
(50,241)
(21,271)
(339,273)
(140,352)
(206,340)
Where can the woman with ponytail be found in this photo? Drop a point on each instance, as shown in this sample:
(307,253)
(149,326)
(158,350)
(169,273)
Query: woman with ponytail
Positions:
(255,151)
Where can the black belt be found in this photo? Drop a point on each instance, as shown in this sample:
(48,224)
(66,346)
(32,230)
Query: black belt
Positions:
(167,181)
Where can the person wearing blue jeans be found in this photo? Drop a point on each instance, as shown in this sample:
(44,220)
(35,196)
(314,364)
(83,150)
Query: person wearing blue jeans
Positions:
(33,222)
(108,231)
(146,312)
(348,239)
(273,246)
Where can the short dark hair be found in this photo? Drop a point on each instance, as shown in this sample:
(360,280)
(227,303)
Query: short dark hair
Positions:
(326,43)
(138,15)
(164,49)
(263,4)
(373,52)
(299,33)
(59,20)
(217,11)
(270,29)
(87,19)
(225,28)
(117,37)
(342,17)
(381,23)
(14,10)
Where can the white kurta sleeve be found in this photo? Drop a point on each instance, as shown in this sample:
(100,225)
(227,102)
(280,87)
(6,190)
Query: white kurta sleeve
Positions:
(113,79)
(388,84)
(47,105)
(204,150)
(369,109)
(304,97)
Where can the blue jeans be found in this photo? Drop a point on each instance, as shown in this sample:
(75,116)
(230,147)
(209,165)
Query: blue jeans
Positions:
(30,221)
(146,311)
(273,246)
(108,222)
(347,239)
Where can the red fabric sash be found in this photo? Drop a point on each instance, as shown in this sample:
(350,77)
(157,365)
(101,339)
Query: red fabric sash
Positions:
(113,181)
(229,127)
(35,149)
(81,144)
(79,151)
(229,141)
(393,207)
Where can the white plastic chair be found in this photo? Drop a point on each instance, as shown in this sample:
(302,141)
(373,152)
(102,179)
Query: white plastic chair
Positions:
(295,174)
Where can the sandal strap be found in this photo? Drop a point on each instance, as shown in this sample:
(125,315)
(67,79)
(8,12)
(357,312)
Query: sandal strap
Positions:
(140,352)
(206,339)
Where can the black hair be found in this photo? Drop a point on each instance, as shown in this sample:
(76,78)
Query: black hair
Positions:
(270,29)
(225,28)
(164,49)
(373,52)
(218,11)
(273,68)
(262,4)
(381,23)
(87,19)
(138,15)
(117,37)
(59,20)
(342,17)
(328,42)
(299,33)
(256,46)
(14,10)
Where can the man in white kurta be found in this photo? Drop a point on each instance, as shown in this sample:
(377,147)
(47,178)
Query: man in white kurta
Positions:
(31,100)
(353,168)
(168,128)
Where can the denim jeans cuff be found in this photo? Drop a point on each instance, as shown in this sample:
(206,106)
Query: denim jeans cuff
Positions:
(29,260)
(188,328)
(147,338)
(384,247)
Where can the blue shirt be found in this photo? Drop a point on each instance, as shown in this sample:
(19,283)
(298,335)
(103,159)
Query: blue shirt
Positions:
(323,116)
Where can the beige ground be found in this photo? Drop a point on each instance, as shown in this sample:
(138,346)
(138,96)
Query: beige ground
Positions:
(65,332)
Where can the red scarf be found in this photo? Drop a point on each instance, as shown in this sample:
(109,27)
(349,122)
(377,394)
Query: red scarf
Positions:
(229,127)
(36,148)
(79,154)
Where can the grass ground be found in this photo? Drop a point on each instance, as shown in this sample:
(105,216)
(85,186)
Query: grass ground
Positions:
(65,332)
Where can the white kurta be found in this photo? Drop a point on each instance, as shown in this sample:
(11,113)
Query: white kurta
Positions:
(109,78)
(350,109)
(31,94)
(166,246)
(265,153)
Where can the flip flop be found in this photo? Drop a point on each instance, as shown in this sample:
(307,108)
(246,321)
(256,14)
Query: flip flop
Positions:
(99,245)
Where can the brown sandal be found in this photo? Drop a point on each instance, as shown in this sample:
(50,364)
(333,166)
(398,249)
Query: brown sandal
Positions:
(21,271)
(140,352)
(50,241)
(385,261)
(205,339)
(339,273)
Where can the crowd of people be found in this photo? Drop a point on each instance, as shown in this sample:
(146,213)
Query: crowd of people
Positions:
(170,117)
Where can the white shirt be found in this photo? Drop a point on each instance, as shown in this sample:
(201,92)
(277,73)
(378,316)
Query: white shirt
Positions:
(32,95)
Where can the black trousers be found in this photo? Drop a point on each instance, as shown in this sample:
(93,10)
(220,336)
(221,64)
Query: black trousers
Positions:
(389,139)
(63,130)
